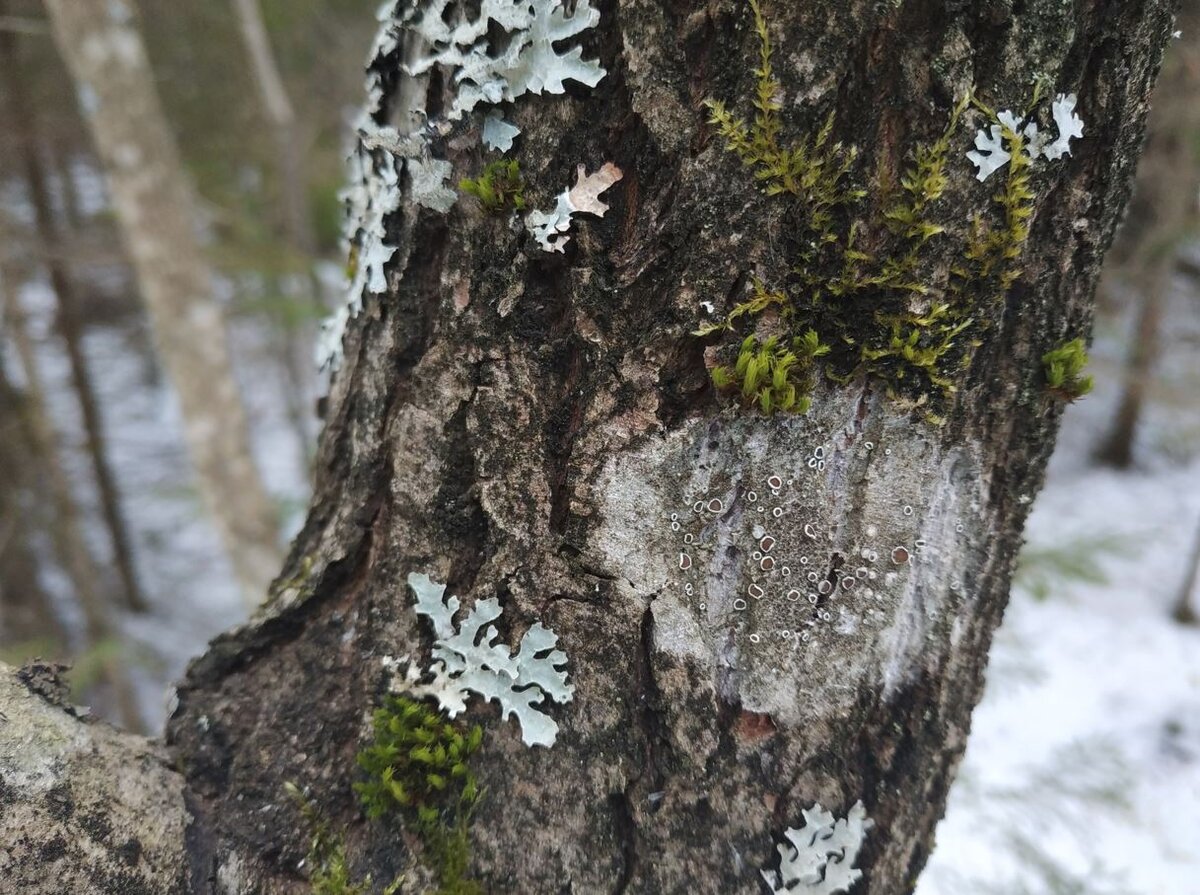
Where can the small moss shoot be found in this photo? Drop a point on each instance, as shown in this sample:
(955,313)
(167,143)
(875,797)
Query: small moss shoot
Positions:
(772,376)
(1064,368)
(863,292)
(416,769)
(328,868)
(499,188)
(298,582)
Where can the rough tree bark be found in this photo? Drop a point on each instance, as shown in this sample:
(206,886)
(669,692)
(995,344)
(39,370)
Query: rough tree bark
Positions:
(153,203)
(1162,215)
(527,426)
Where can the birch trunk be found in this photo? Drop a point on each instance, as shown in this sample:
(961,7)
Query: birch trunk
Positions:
(527,426)
(54,248)
(294,346)
(150,194)
(64,525)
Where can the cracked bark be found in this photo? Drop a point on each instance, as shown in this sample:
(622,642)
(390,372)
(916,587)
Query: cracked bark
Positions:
(523,426)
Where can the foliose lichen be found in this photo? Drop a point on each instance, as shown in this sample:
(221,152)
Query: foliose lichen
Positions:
(491,53)
(466,659)
(818,858)
(552,229)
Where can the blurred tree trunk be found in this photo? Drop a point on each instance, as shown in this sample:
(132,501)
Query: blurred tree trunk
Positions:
(69,324)
(27,616)
(153,203)
(528,426)
(1163,213)
(1186,603)
(63,522)
(292,188)
(281,116)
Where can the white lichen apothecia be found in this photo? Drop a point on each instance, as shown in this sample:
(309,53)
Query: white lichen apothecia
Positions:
(466,658)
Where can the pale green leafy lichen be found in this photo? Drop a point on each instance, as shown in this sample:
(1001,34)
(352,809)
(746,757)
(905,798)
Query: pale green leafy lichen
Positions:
(467,659)
(818,858)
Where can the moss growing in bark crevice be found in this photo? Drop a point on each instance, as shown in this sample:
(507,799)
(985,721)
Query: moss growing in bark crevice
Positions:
(417,771)
(499,187)
(1063,367)
(328,867)
(876,290)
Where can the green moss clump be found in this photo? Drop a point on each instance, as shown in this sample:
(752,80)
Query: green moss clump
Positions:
(866,289)
(499,188)
(416,768)
(772,376)
(1064,367)
(812,171)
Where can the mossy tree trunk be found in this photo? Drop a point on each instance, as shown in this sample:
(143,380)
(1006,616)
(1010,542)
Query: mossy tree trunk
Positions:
(541,428)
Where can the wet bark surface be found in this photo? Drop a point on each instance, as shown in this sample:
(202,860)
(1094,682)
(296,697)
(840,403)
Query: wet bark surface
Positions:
(532,427)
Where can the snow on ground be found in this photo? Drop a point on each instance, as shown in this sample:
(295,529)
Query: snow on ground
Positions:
(1082,773)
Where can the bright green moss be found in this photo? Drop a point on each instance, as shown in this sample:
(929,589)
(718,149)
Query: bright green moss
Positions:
(1064,368)
(416,769)
(865,289)
(813,171)
(499,188)
(770,375)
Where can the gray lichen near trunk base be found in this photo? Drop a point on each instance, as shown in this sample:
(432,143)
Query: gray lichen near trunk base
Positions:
(83,807)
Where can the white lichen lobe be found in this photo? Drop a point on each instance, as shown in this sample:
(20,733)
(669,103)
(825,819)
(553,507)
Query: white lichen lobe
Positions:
(551,229)
(818,858)
(499,134)
(374,193)
(991,152)
(467,658)
(526,61)
(496,53)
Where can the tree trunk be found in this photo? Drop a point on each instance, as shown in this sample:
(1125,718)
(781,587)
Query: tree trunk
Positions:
(65,531)
(281,117)
(539,427)
(154,206)
(1184,610)
(70,326)
(1162,214)
(292,188)
(28,621)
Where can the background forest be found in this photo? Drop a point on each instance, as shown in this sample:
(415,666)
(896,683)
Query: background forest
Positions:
(1082,775)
